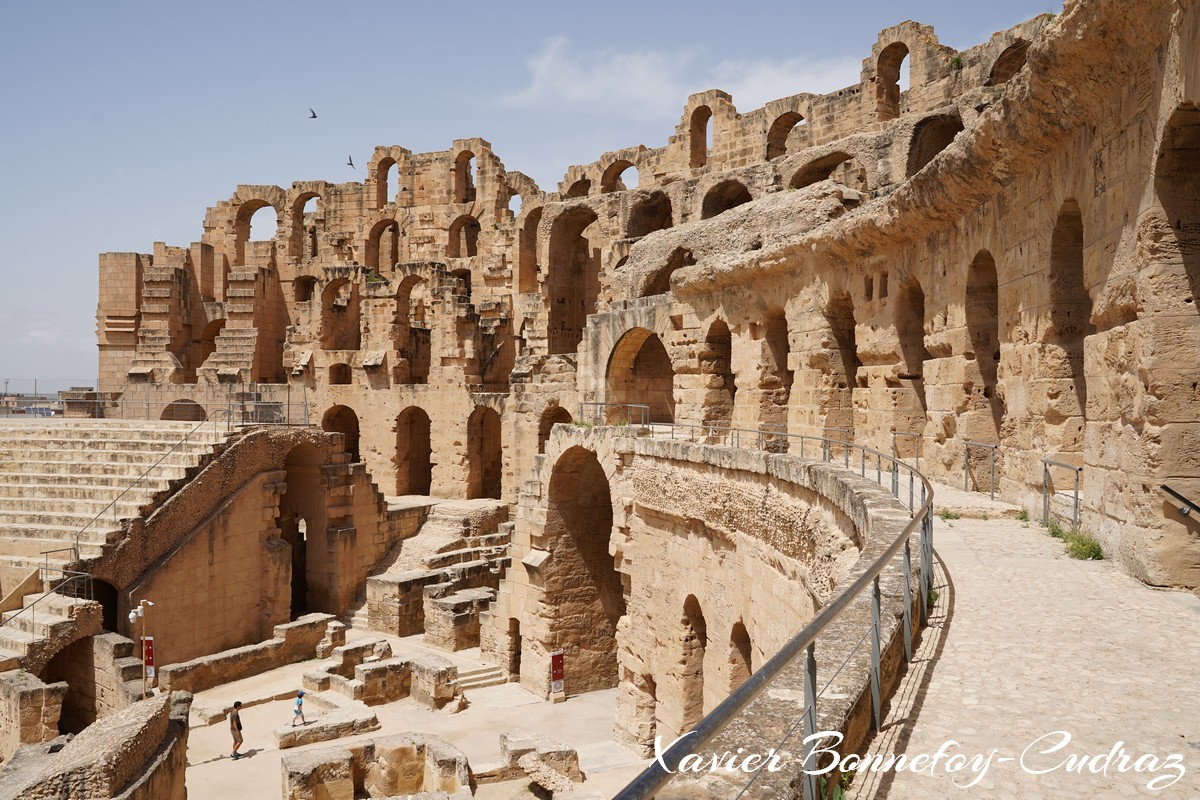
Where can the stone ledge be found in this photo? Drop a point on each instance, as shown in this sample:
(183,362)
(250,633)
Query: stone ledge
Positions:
(333,725)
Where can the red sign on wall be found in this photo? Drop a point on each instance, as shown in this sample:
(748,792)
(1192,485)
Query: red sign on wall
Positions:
(556,671)
(148,650)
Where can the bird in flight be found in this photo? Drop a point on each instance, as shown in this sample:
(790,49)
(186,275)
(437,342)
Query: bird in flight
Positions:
(312,114)
(350,162)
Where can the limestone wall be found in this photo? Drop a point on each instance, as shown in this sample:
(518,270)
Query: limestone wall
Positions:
(29,710)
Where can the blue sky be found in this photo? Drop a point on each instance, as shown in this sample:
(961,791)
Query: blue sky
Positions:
(122,122)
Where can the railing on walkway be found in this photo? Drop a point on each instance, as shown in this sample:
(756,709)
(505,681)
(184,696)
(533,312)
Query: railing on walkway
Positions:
(967,464)
(212,423)
(1188,506)
(54,580)
(242,403)
(1046,464)
(803,644)
(614,414)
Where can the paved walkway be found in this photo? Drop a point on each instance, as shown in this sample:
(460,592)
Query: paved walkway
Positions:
(1024,642)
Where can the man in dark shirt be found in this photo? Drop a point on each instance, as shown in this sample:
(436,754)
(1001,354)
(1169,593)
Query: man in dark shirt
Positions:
(235,728)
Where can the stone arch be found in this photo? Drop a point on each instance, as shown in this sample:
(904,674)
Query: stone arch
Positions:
(340,375)
(463,240)
(741,659)
(583,595)
(910,331)
(639,371)
(775,376)
(724,196)
(553,415)
(184,411)
(983,331)
(302,243)
(1177,184)
(343,420)
(659,282)
(613,179)
(383,246)
(580,188)
(383,184)
(340,303)
(464,177)
(931,136)
(414,465)
(573,280)
(693,645)
(244,226)
(1069,325)
(698,137)
(887,80)
(781,130)
(301,518)
(1010,62)
(716,365)
(484,454)
(528,271)
(648,214)
(837,165)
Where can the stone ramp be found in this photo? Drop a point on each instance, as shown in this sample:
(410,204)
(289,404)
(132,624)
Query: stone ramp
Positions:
(61,477)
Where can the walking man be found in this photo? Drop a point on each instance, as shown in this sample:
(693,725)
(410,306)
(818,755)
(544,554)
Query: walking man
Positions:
(235,728)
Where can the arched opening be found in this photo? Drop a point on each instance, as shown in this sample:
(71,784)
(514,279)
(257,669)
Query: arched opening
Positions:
(584,598)
(693,644)
(256,221)
(910,330)
(464,177)
(649,214)
(528,271)
(416,346)
(550,417)
(1070,323)
(640,372)
(515,202)
(514,647)
(698,137)
(983,330)
(304,287)
(788,134)
(839,166)
(462,282)
(339,374)
(208,339)
(619,177)
(740,660)
(889,71)
(414,465)
(485,456)
(842,365)
(340,315)
(775,377)
(573,282)
(579,188)
(716,364)
(343,420)
(184,411)
(660,282)
(301,512)
(387,176)
(464,238)
(76,666)
(303,242)
(105,594)
(722,197)
(383,247)
(1177,183)
(1009,63)
(930,137)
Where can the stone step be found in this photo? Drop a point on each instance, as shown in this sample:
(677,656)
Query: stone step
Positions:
(40,621)
(25,503)
(481,677)
(32,546)
(14,495)
(35,519)
(126,440)
(463,556)
(122,474)
(10,457)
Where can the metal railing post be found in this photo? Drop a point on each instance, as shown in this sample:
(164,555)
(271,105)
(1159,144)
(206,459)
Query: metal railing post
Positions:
(966,465)
(1075,512)
(1045,493)
(907,602)
(876,710)
(810,720)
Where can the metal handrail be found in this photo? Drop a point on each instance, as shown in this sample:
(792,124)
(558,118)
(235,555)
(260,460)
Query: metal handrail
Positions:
(70,581)
(139,479)
(1188,506)
(599,408)
(967,463)
(662,768)
(1046,464)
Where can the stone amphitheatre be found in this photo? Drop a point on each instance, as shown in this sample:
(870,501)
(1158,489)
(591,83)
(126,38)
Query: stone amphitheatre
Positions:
(612,447)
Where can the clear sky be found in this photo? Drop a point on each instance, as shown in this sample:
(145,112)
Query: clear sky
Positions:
(122,122)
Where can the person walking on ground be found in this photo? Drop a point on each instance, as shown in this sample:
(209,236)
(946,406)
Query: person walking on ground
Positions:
(235,728)
(298,712)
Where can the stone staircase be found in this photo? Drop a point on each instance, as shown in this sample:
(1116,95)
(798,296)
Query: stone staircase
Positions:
(57,475)
(31,635)
(481,677)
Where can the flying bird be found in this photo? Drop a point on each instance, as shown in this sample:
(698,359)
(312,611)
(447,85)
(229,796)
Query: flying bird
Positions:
(350,161)
(312,114)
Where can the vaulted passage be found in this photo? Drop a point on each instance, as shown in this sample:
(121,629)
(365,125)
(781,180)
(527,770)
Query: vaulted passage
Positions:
(775,376)
(340,316)
(1069,325)
(573,284)
(639,371)
(910,329)
(740,658)
(842,365)
(649,214)
(983,330)
(343,420)
(693,643)
(550,417)
(931,136)
(720,389)
(583,593)
(414,468)
(722,197)
(302,516)
(485,458)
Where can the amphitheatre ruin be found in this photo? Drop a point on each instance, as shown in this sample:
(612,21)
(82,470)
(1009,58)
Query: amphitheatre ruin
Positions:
(621,447)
